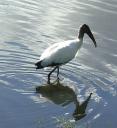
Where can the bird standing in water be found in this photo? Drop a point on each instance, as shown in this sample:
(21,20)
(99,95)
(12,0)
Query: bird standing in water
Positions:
(63,52)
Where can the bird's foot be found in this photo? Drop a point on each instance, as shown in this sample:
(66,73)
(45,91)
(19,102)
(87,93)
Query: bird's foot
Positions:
(48,82)
(58,80)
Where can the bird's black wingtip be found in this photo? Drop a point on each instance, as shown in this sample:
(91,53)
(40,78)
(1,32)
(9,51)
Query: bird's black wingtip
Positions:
(35,64)
(38,65)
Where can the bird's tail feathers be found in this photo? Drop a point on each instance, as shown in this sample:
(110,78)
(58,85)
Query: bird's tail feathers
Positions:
(38,64)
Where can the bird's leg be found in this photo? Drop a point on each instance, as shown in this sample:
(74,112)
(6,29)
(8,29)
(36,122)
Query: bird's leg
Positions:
(57,71)
(58,74)
(50,74)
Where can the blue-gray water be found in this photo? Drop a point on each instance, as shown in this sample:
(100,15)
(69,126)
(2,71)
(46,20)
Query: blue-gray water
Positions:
(27,27)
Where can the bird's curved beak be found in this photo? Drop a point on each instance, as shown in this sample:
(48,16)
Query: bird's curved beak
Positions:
(89,33)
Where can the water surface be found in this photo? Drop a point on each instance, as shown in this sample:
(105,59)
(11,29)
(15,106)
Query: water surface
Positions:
(27,28)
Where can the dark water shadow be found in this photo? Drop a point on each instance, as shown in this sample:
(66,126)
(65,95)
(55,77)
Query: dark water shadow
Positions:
(64,95)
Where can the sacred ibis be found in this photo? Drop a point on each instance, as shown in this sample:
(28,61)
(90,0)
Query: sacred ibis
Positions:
(63,52)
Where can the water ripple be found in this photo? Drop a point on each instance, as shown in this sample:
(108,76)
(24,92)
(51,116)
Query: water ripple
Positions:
(28,27)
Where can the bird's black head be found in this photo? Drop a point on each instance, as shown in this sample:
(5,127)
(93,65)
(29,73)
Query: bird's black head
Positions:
(85,29)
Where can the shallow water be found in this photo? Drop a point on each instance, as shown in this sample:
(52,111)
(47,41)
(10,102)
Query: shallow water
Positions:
(27,28)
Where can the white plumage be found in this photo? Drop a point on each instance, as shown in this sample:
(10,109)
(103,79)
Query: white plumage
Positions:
(60,53)
(63,52)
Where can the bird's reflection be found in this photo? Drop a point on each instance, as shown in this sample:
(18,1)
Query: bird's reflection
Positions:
(80,109)
(63,95)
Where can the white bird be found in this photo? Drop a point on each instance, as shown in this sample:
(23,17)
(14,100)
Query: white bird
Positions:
(63,52)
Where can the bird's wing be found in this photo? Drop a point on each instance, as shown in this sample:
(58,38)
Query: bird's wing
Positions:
(49,51)
(59,53)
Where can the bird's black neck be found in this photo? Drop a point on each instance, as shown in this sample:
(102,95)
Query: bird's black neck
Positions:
(81,33)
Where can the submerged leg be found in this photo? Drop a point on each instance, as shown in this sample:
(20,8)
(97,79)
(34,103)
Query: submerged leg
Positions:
(57,71)
(50,74)
(58,74)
